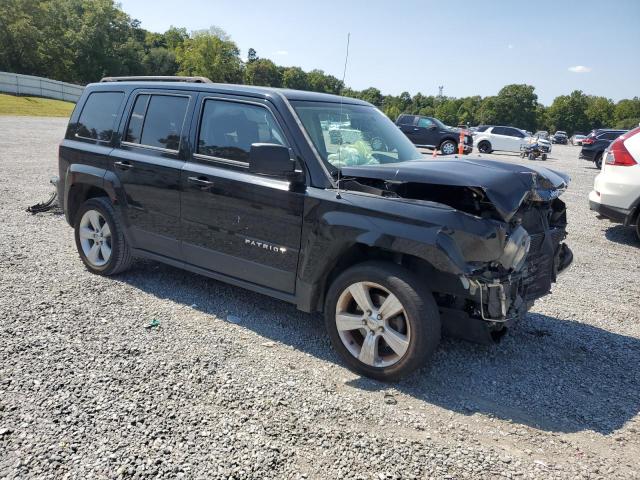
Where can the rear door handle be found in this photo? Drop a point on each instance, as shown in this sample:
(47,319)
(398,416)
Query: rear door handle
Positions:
(201,181)
(123,165)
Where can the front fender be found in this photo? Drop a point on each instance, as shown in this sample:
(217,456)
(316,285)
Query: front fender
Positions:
(451,241)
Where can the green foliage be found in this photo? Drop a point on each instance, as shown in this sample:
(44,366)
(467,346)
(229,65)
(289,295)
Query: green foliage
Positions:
(83,40)
(627,113)
(262,72)
(568,113)
(296,78)
(210,56)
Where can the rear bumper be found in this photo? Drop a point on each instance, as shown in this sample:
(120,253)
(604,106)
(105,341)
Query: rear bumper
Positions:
(587,155)
(615,214)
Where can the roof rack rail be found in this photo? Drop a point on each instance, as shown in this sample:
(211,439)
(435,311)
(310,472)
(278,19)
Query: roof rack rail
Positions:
(166,78)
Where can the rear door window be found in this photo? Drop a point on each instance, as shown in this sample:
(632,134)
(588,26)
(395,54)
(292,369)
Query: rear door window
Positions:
(228,129)
(157,121)
(609,135)
(99,116)
(499,131)
(425,122)
(406,120)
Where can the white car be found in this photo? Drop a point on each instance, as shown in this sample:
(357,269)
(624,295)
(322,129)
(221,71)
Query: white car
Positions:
(616,189)
(506,139)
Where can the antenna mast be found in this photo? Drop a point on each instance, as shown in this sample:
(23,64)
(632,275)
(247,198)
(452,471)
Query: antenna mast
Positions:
(344,75)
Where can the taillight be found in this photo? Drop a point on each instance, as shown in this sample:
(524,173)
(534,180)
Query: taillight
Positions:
(588,141)
(618,154)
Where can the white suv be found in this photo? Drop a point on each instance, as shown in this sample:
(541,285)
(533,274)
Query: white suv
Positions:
(507,139)
(616,190)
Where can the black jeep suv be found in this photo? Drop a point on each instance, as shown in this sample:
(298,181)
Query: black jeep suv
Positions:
(316,200)
(432,133)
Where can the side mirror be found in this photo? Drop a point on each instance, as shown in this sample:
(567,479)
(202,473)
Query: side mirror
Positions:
(271,159)
(432,127)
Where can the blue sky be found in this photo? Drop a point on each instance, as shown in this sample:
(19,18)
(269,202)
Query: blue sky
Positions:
(470,47)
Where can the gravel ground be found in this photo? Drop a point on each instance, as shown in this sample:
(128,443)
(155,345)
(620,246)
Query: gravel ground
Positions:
(233,384)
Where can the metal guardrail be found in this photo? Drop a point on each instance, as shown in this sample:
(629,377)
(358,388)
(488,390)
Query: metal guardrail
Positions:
(19,84)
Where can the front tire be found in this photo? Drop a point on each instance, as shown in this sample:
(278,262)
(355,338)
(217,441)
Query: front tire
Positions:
(382,320)
(484,147)
(448,147)
(100,239)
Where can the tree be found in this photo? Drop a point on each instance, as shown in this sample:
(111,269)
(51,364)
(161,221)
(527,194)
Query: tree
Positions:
(568,113)
(210,56)
(372,95)
(262,72)
(252,55)
(600,112)
(318,81)
(627,113)
(469,109)
(296,78)
(160,61)
(516,106)
(447,110)
(488,112)
(175,37)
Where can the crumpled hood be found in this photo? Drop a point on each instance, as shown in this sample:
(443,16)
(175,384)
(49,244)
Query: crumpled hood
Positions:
(506,185)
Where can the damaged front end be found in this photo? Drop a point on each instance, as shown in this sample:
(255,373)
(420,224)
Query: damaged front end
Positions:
(501,280)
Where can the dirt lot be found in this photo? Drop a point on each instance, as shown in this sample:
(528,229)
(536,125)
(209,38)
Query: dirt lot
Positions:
(233,384)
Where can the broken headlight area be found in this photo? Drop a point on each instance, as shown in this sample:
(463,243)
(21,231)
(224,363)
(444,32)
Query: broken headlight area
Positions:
(516,249)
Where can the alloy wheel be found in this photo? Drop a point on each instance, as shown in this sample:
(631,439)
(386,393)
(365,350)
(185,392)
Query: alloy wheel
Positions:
(95,238)
(448,148)
(372,324)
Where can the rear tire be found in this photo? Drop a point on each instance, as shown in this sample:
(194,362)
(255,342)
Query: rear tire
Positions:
(544,156)
(598,160)
(396,306)
(484,147)
(100,239)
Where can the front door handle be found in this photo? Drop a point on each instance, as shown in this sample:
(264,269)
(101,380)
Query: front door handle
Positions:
(123,165)
(203,182)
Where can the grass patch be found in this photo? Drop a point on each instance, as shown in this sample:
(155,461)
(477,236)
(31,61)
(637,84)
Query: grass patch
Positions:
(34,106)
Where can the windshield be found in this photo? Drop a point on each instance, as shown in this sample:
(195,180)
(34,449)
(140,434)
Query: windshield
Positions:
(351,135)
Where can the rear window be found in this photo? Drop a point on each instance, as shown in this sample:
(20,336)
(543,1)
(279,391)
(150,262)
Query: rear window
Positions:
(99,115)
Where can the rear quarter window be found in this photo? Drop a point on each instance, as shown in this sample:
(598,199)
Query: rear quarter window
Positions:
(99,116)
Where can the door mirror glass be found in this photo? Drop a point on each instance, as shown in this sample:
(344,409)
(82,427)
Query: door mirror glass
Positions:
(271,159)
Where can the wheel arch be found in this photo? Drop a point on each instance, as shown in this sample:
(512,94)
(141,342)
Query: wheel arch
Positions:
(78,194)
(312,298)
(448,138)
(84,182)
